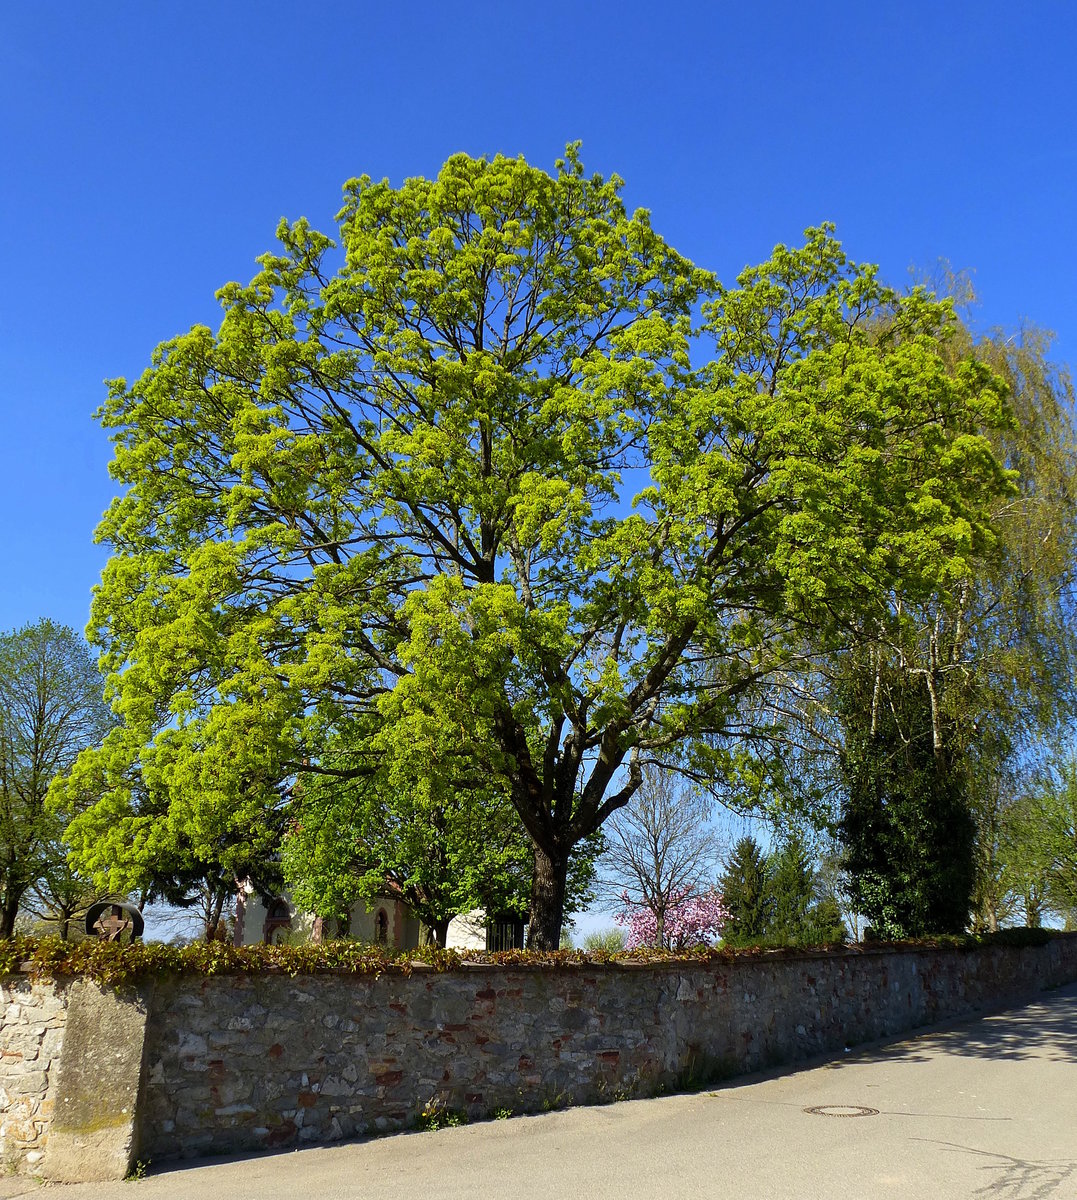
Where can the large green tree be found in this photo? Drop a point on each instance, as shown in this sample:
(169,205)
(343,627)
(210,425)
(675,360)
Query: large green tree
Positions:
(51,708)
(802,912)
(980,669)
(186,822)
(463,465)
(1013,684)
(964,682)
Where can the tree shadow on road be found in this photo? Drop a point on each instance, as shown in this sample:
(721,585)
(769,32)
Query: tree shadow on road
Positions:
(1010,1178)
(1045,1029)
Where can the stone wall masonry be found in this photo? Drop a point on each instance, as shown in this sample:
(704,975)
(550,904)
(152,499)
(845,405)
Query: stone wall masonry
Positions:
(31,1038)
(263,1061)
(242,1062)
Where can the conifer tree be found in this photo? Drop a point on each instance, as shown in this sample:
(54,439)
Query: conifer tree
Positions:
(745,888)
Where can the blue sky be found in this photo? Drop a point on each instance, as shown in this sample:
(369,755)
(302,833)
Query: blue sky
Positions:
(148,150)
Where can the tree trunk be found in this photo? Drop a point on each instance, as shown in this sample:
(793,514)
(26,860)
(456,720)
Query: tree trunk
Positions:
(547,900)
(213,916)
(8,913)
(436,933)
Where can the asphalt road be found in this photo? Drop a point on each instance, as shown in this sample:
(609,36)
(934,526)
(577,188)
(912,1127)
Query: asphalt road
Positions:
(987,1108)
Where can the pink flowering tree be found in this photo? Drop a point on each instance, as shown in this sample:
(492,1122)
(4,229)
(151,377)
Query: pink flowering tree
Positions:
(687,919)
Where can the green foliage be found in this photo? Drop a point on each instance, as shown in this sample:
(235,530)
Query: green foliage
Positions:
(907,827)
(987,661)
(444,846)
(605,941)
(396,503)
(435,1115)
(116,964)
(776,900)
(1015,622)
(51,708)
(791,880)
(1018,936)
(120,965)
(1041,844)
(746,892)
(995,658)
(1012,686)
(138,1171)
(421,816)
(165,823)
(799,915)
(1026,865)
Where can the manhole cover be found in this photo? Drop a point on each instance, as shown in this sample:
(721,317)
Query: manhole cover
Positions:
(842,1110)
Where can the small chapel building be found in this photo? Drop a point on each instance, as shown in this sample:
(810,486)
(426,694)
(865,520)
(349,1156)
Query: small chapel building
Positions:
(386,921)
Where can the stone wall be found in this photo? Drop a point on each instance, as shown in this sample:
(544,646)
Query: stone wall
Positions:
(266,1061)
(31,1038)
(263,1061)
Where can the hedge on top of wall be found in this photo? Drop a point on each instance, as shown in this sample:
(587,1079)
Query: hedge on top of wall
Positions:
(112,963)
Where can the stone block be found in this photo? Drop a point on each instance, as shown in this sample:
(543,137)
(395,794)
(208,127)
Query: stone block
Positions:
(51,1042)
(234,1110)
(94,1133)
(27,1083)
(192,1046)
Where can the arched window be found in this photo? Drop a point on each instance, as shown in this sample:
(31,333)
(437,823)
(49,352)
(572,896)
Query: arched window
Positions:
(278,922)
(381,927)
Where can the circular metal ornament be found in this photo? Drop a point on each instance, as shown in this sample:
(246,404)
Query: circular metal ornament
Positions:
(111,919)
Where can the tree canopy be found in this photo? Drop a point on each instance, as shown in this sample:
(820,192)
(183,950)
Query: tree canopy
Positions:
(959,688)
(474,466)
(50,709)
(1041,849)
(907,825)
